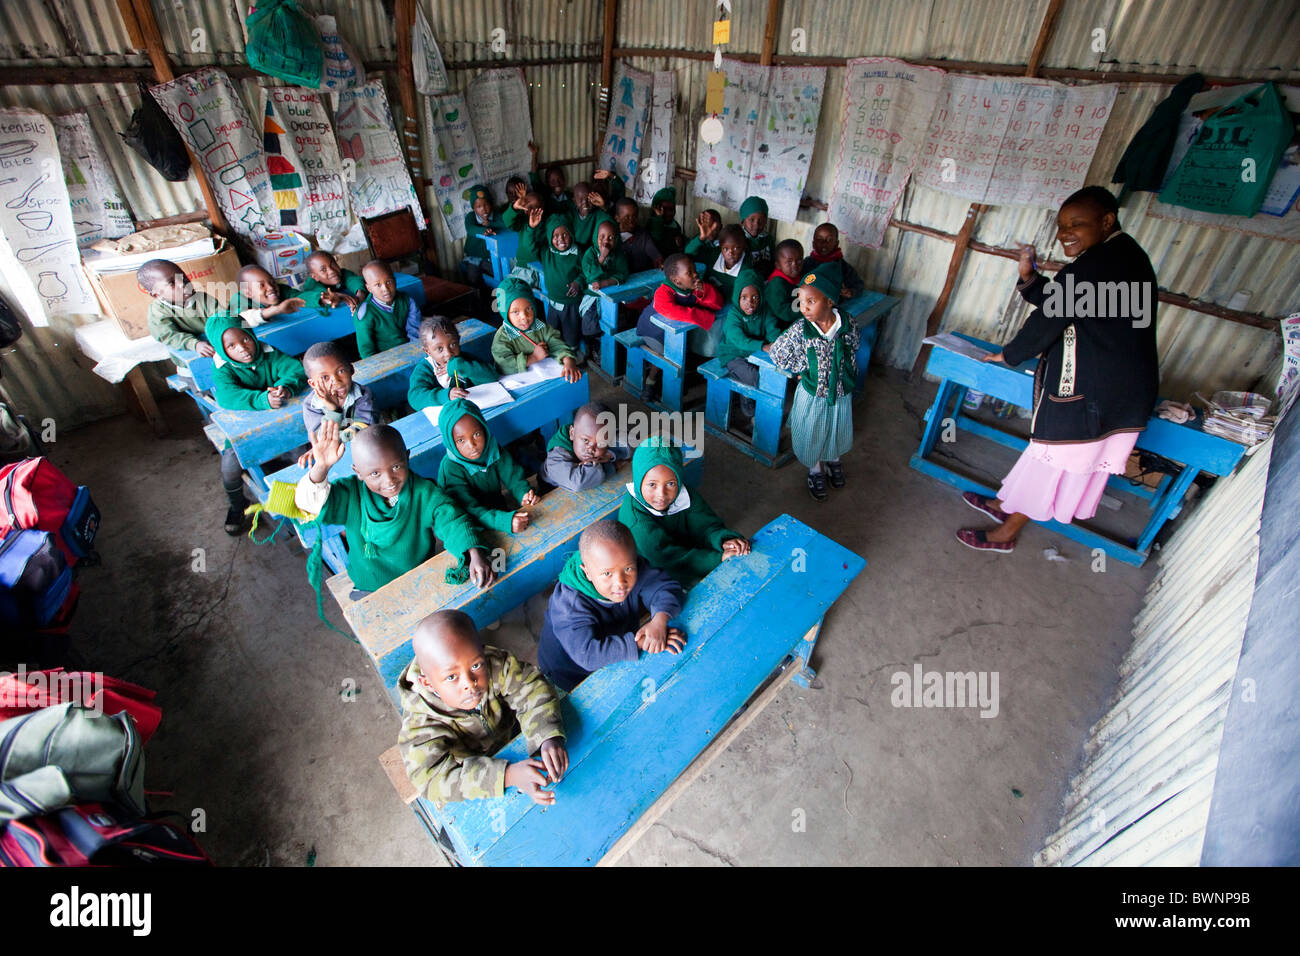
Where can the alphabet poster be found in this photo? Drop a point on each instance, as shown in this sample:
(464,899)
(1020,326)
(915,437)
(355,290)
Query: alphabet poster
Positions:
(769,121)
(456,162)
(303,162)
(497,101)
(887,109)
(36,216)
(98,210)
(211,118)
(657,165)
(1017,142)
(629,121)
(377,178)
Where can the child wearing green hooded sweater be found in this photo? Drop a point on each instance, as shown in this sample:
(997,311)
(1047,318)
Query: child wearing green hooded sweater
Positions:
(603,265)
(445,373)
(561,271)
(523,338)
(675,531)
(483,219)
(251,377)
(753,219)
(664,230)
(748,326)
(478,473)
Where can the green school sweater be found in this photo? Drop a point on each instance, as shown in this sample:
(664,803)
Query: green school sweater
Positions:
(473,484)
(475,247)
(743,334)
(704,250)
(665,233)
(557,270)
(425,515)
(686,544)
(241,386)
(511,352)
(352,284)
(779,300)
(182,327)
(584,230)
(424,390)
(380,329)
(614,267)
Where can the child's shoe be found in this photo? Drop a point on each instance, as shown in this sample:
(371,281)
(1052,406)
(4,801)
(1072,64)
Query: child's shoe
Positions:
(817,486)
(837,474)
(235,520)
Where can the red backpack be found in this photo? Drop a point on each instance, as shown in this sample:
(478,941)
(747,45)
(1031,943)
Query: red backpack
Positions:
(35,494)
(25,691)
(97,834)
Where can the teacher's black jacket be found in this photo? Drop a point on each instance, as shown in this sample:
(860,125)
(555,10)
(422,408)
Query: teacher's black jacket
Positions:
(1111,384)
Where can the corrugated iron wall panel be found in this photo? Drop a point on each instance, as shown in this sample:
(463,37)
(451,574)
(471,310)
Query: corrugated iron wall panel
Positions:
(688,25)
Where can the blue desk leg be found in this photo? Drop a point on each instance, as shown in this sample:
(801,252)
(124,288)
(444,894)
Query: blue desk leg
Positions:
(937,412)
(608,326)
(866,342)
(633,378)
(717,403)
(769,410)
(803,654)
(673,383)
(1167,505)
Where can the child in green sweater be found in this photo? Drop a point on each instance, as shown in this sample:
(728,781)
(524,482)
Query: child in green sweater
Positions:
(781,284)
(665,232)
(482,220)
(394,518)
(586,217)
(261,299)
(252,377)
(179,312)
(561,271)
(329,284)
(387,318)
(603,265)
(747,327)
(524,338)
(704,248)
(732,257)
(478,473)
(675,531)
(753,219)
(445,374)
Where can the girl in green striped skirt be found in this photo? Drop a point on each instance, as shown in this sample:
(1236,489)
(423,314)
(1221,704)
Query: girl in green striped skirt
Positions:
(822,350)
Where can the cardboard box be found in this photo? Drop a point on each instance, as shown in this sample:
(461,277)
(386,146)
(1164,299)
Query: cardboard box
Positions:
(120,296)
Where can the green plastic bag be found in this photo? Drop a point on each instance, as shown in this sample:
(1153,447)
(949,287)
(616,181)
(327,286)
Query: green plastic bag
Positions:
(1228,169)
(283,42)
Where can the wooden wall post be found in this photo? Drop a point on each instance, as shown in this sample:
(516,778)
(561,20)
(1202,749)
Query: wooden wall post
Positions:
(405,16)
(769,32)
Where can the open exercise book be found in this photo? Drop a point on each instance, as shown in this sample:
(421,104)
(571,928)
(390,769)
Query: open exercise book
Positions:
(484,396)
(536,373)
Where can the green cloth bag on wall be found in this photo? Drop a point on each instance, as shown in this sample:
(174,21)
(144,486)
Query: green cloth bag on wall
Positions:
(283,42)
(1214,175)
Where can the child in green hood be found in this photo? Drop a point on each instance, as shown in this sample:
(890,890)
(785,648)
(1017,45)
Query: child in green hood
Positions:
(394,518)
(523,337)
(561,270)
(478,473)
(753,219)
(748,327)
(483,219)
(675,531)
(603,265)
(251,377)
(664,230)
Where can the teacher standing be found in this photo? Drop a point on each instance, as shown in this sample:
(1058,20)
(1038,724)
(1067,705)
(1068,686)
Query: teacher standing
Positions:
(1097,377)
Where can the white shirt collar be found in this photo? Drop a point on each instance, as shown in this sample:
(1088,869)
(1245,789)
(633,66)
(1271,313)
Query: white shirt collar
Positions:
(720,266)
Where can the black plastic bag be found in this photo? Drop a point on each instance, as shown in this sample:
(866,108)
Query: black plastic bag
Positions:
(152,135)
(10,330)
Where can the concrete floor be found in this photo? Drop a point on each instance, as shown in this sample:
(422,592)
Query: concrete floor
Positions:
(258,731)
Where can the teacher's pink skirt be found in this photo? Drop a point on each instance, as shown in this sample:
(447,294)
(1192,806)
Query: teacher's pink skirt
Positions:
(1064,482)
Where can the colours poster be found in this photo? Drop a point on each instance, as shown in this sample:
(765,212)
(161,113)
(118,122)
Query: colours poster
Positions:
(211,118)
(303,162)
(377,178)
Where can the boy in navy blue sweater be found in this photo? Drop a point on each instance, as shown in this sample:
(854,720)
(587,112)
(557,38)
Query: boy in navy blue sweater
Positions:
(595,611)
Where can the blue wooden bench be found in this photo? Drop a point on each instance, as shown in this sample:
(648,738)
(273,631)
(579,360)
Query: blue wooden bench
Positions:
(769,394)
(258,436)
(385,620)
(638,285)
(541,406)
(1186,444)
(640,732)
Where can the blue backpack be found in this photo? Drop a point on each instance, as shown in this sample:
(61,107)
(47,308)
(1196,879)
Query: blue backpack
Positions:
(36,587)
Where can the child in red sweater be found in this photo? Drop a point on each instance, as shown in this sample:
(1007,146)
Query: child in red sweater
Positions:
(684,297)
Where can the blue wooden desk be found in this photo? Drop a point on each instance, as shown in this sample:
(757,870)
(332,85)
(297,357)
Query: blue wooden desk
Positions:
(502,249)
(385,620)
(638,285)
(541,406)
(1186,444)
(639,732)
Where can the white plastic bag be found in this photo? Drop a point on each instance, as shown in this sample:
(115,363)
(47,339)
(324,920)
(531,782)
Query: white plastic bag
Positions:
(426,59)
(343,67)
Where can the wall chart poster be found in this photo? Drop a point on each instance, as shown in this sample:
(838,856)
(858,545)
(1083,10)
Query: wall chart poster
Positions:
(628,126)
(657,148)
(303,162)
(211,118)
(1016,142)
(769,120)
(98,210)
(36,216)
(498,107)
(456,163)
(378,182)
(887,109)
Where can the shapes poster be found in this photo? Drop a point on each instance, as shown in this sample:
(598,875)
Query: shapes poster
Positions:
(98,210)
(36,215)
(657,165)
(456,162)
(887,110)
(1017,142)
(769,120)
(302,160)
(211,118)
(497,101)
(628,126)
(377,178)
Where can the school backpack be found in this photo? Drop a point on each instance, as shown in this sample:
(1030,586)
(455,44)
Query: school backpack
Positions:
(97,834)
(34,493)
(65,754)
(26,691)
(37,592)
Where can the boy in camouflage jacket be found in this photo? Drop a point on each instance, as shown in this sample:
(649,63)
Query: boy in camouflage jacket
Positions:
(461,703)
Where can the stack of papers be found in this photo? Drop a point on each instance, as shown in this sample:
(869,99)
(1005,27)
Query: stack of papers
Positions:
(106,264)
(484,396)
(955,343)
(536,373)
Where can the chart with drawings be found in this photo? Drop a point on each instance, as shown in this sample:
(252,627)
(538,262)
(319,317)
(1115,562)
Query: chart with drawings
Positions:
(1018,142)
(36,215)
(629,124)
(377,178)
(98,210)
(657,150)
(302,160)
(212,120)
